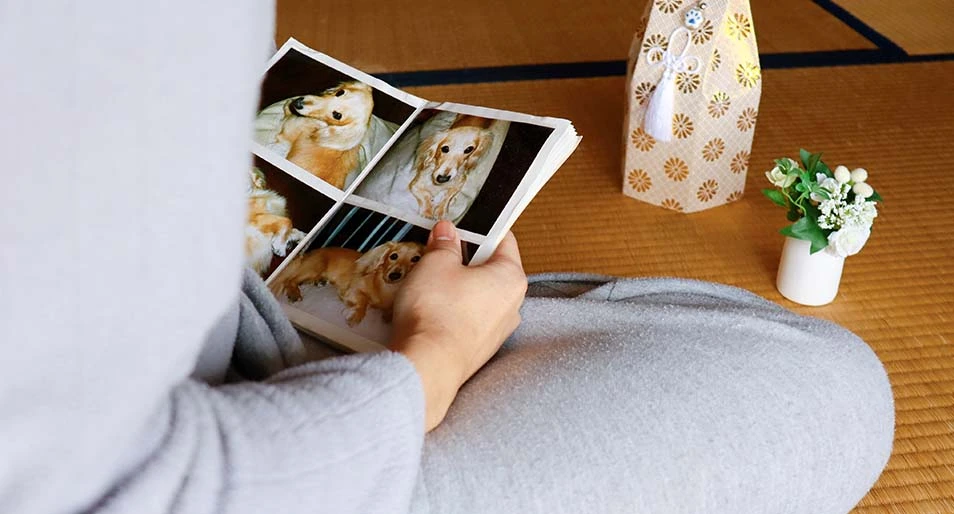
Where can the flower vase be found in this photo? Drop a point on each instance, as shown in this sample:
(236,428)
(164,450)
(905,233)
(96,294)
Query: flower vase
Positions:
(808,278)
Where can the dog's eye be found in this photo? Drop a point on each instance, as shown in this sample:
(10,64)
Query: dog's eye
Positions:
(336,115)
(340,92)
(445,149)
(469,149)
(415,258)
(393,256)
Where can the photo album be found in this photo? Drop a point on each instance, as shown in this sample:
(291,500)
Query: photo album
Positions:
(349,175)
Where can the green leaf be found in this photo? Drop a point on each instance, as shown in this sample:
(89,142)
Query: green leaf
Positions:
(776,197)
(802,187)
(875,197)
(793,214)
(807,229)
(812,166)
(823,168)
(805,155)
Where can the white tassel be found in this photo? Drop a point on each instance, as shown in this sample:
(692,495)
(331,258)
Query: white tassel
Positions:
(658,122)
(659,112)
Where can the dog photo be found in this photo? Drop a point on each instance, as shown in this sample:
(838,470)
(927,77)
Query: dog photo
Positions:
(281,210)
(324,120)
(352,269)
(455,166)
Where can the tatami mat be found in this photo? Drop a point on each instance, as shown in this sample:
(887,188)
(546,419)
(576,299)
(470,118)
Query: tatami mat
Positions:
(897,294)
(919,26)
(435,34)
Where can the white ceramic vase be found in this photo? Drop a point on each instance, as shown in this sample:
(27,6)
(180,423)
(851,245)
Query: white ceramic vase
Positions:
(807,278)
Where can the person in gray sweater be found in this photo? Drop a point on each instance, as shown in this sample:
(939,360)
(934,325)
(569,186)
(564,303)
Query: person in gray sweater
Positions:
(124,301)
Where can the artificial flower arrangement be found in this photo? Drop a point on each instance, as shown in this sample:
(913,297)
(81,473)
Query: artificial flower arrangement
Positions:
(832,210)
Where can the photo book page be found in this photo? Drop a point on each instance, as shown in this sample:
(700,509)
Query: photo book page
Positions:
(349,175)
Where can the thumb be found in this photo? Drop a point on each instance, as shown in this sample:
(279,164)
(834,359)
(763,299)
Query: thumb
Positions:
(444,240)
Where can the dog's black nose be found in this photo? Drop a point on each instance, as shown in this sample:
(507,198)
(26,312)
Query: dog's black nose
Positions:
(394,276)
(442,178)
(297,105)
(336,115)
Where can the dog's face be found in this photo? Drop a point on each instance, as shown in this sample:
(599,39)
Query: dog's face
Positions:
(390,262)
(452,154)
(347,103)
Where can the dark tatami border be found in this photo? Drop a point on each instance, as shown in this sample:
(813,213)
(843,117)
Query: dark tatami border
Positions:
(886,52)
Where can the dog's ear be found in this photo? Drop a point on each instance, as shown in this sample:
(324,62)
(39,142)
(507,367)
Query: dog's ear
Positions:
(484,142)
(427,152)
(372,259)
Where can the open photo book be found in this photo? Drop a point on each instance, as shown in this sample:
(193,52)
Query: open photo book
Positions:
(349,175)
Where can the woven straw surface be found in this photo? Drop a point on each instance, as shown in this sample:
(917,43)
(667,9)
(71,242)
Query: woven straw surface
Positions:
(918,26)
(895,120)
(378,36)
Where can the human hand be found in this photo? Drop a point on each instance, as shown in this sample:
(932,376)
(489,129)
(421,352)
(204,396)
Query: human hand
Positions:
(449,319)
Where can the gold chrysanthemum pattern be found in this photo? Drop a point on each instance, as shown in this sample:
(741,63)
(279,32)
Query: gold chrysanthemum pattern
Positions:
(747,119)
(734,197)
(639,180)
(672,204)
(652,43)
(668,6)
(719,105)
(687,82)
(643,91)
(747,74)
(676,169)
(716,60)
(703,33)
(740,162)
(739,26)
(707,191)
(641,140)
(682,126)
(713,150)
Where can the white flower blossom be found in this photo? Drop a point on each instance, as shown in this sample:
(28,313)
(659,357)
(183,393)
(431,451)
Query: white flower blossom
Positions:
(778,178)
(862,190)
(842,175)
(829,184)
(848,241)
(859,175)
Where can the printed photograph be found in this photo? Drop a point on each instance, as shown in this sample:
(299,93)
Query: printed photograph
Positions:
(353,268)
(281,211)
(455,166)
(323,120)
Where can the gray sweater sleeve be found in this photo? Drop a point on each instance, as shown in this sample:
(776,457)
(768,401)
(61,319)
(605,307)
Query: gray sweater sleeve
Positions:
(124,134)
(341,435)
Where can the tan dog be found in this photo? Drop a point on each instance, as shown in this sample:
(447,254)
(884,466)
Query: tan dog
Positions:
(443,161)
(325,131)
(362,281)
(269,230)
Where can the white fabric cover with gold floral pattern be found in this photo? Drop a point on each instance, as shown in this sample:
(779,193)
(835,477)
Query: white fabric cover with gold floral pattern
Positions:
(705,163)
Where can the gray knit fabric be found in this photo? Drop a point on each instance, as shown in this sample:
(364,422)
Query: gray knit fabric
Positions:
(662,396)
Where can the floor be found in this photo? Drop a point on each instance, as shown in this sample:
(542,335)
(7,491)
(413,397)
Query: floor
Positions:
(868,82)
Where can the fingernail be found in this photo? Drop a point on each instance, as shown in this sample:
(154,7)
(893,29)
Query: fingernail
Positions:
(444,231)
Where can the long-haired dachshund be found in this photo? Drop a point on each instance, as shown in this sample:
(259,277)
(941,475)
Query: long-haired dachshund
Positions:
(325,131)
(268,229)
(362,280)
(444,160)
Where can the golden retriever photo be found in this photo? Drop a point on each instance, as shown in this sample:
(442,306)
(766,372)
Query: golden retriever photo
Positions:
(445,161)
(268,230)
(438,166)
(362,281)
(324,131)
(324,120)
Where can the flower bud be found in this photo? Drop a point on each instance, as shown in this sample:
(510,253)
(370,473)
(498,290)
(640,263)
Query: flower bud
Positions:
(842,174)
(859,175)
(861,189)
